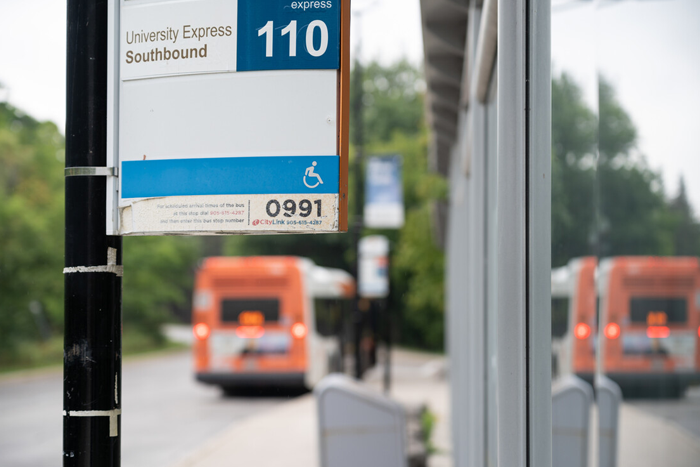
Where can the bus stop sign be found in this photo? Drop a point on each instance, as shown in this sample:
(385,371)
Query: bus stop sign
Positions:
(227,116)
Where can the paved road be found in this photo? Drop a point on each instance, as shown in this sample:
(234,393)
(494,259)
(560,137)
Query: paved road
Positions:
(684,412)
(660,432)
(166,414)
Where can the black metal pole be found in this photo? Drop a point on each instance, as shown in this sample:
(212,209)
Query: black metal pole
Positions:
(385,306)
(359,141)
(357,312)
(92,346)
(387,341)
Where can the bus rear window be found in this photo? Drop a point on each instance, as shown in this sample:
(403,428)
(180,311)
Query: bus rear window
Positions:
(670,310)
(232,308)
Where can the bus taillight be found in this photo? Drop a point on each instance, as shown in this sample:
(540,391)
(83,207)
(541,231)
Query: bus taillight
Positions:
(201,331)
(612,331)
(299,330)
(658,332)
(582,331)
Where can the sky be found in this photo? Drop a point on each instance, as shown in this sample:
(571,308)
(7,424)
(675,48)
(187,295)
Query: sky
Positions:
(654,64)
(33,47)
(649,64)
(650,52)
(33,57)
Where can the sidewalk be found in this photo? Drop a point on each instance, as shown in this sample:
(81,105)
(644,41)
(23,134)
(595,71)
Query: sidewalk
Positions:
(287,435)
(649,441)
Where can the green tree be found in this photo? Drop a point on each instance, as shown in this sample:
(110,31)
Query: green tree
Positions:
(393,124)
(574,135)
(158,280)
(634,215)
(686,231)
(31,225)
(393,100)
(417,263)
(158,270)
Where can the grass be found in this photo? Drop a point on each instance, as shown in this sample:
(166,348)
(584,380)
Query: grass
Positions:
(428,420)
(31,355)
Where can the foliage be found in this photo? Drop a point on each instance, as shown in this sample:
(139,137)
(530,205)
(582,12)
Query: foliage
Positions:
(417,264)
(324,249)
(393,124)
(31,226)
(574,130)
(393,105)
(428,420)
(686,229)
(158,277)
(159,270)
(633,215)
(613,205)
(29,354)
(392,101)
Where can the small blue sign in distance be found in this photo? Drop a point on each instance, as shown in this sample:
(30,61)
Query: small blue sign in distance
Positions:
(384,184)
(231,176)
(288,35)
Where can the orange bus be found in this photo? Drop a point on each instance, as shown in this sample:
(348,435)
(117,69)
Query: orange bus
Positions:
(574,318)
(268,321)
(648,326)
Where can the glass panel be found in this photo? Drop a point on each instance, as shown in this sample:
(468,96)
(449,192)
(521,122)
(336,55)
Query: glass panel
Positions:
(575,231)
(649,242)
(491,305)
(574,186)
(574,154)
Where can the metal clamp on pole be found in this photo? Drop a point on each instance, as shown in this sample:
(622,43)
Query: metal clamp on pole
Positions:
(91,171)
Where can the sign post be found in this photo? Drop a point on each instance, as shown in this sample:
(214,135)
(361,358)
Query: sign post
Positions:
(383,209)
(93,272)
(228,116)
(373,284)
(359,143)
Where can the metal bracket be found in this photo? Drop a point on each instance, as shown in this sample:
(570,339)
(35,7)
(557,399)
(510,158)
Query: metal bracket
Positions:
(91,171)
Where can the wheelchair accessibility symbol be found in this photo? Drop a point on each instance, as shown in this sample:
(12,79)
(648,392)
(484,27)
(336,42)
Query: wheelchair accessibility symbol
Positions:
(310,173)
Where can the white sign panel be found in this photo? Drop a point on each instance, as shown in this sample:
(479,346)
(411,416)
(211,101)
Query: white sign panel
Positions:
(225,116)
(374,267)
(188,37)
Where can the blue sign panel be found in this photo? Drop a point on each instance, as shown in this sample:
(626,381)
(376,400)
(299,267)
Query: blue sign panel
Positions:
(384,181)
(230,176)
(384,193)
(288,35)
